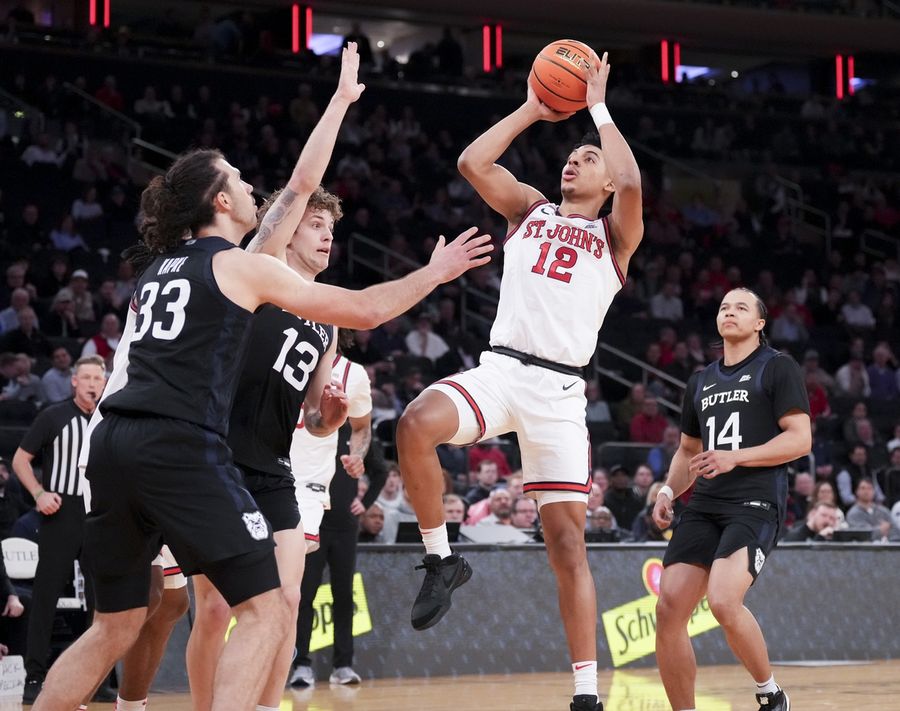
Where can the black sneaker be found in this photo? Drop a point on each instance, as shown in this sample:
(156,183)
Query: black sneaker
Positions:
(777,701)
(32,689)
(585,702)
(442,577)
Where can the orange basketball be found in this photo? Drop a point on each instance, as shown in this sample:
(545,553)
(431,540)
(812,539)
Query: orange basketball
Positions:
(559,75)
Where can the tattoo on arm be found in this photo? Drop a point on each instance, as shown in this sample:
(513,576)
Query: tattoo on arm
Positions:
(273,219)
(361,446)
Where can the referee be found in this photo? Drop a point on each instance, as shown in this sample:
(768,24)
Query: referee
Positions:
(56,434)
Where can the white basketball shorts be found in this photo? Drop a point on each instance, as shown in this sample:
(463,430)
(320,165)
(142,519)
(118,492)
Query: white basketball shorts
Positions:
(311,512)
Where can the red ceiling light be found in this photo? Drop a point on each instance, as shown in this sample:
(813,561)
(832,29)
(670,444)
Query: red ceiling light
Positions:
(677,61)
(851,74)
(295,29)
(839,76)
(664,61)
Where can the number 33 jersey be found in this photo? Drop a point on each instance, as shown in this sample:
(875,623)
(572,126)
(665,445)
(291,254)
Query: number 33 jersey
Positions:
(283,354)
(187,350)
(559,279)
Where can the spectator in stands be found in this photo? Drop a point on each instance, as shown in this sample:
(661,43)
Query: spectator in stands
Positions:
(524,513)
(643,480)
(12,504)
(620,499)
(824,492)
(41,152)
(857,315)
(660,457)
(489,450)
(362,43)
(866,513)
(597,407)
(595,498)
(105,301)
(454,508)
(9,317)
(371,525)
(866,435)
(630,406)
(363,351)
(423,341)
(108,94)
(884,379)
(24,386)
(602,526)
(799,497)
(485,480)
(649,424)
(812,368)
(82,297)
(389,498)
(57,381)
(788,328)
(17,277)
(852,378)
(856,468)
(644,527)
(819,525)
(889,477)
(86,208)
(818,398)
(601,478)
(65,238)
(27,338)
(402,513)
(104,344)
(61,321)
(667,304)
(682,365)
(500,509)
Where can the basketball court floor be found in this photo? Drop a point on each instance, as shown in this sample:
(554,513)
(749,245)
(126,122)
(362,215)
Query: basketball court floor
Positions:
(859,686)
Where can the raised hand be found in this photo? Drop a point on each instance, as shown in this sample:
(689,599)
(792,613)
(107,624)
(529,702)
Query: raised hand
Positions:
(333,406)
(349,87)
(544,112)
(448,261)
(597,76)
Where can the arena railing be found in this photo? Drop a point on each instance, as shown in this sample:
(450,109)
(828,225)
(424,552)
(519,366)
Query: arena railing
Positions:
(134,128)
(804,217)
(880,244)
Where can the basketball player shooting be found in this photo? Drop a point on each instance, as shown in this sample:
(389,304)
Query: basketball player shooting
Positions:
(744,418)
(530,382)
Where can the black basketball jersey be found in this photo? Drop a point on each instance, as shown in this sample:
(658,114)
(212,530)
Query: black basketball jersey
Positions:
(737,407)
(284,351)
(189,339)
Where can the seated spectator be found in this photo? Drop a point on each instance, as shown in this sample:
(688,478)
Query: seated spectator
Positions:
(620,498)
(855,469)
(819,525)
(371,525)
(454,508)
(857,315)
(485,480)
(859,412)
(644,527)
(25,386)
(852,379)
(62,322)
(500,506)
(799,496)
(424,342)
(602,526)
(104,344)
(27,338)
(889,478)
(649,424)
(866,435)
(597,407)
(12,505)
(818,398)
(41,153)
(811,367)
(595,499)
(823,492)
(81,295)
(667,305)
(660,457)
(403,513)
(389,497)
(788,327)
(363,351)
(86,208)
(524,513)
(866,513)
(57,381)
(643,480)
(630,406)
(682,364)
(9,317)
(390,338)
(65,238)
(489,450)
(884,379)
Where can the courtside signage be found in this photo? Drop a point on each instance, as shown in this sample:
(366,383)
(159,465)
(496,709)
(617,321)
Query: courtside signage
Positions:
(631,628)
(323,615)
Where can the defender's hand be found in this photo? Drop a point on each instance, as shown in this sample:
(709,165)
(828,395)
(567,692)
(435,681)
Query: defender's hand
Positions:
(712,463)
(349,88)
(448,261)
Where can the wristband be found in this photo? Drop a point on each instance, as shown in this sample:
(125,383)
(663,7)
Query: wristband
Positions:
(600,114)
(667,490)
(38,494)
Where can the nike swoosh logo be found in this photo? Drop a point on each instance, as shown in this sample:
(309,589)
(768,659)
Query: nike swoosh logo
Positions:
(582,666)
(571,385)
(707,387)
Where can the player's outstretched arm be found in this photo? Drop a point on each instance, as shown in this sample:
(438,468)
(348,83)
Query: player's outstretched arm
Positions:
(495,184)
(253,279)
(678,480)
(627,214)
(277,227)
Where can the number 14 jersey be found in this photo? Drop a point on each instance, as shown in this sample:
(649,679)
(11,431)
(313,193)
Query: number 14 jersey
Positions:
(559,279)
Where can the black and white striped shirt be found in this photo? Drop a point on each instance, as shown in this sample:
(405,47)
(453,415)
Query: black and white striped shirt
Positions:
(57,434)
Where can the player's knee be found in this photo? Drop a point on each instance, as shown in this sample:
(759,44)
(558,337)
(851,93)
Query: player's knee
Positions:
(292,597)
(175,603)
(724,608)
(213,612)
(420,424)
(670,611)
(118,630)
(567,551)
(269,608)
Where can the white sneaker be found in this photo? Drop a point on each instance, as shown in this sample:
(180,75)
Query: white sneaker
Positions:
(344,675)
(303,678)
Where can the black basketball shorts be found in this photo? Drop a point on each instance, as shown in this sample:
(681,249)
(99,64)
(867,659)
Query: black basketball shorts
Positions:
(156,480)
(701,538)
(275,495)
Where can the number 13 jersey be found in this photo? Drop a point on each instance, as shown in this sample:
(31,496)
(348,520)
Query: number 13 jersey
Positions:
(189,340)
(559,279)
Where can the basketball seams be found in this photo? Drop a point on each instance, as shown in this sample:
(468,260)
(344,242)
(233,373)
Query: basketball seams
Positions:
(578,104)
(563,67)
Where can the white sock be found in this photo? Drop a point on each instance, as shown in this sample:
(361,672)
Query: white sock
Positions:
(767,687)
(585,674)
(436,541)
(260,707)
(83,707)
(123,705)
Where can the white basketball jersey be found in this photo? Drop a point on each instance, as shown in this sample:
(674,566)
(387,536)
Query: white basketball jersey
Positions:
(313,458)
(559,279)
